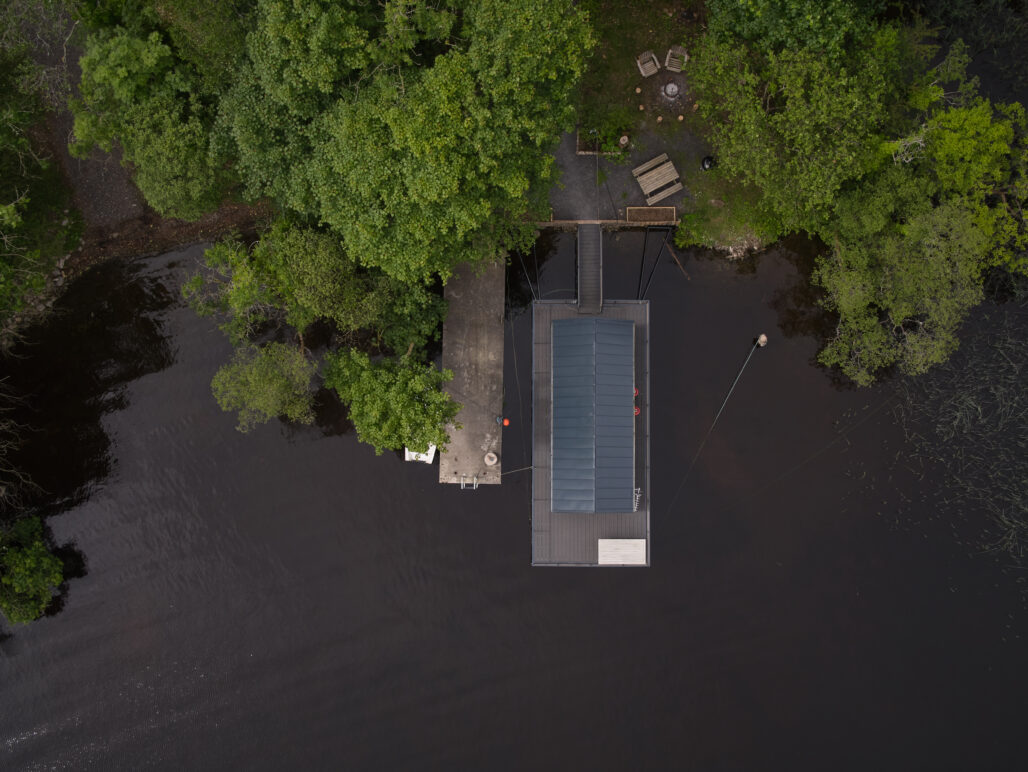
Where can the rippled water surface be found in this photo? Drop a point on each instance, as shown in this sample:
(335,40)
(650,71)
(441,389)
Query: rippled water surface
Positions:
(287,599)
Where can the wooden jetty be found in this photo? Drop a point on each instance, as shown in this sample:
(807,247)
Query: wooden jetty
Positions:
(473,350)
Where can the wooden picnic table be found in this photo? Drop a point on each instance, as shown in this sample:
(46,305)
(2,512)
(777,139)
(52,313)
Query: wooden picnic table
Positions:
(665,174)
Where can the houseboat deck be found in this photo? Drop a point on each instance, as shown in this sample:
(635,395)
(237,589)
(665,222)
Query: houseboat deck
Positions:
(572,538)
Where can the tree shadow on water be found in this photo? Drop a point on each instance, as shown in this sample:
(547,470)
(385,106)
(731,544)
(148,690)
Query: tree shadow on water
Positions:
(106,331)
(331,416)
(74,567)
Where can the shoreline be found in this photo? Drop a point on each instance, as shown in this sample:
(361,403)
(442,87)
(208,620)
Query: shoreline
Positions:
(142,236)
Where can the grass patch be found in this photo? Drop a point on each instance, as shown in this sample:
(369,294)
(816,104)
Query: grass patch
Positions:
(725,213)
(607,102)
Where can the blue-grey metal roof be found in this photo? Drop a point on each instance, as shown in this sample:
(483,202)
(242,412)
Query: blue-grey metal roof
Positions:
(593,464)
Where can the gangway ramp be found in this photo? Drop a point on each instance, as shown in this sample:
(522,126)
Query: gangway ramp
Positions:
(590,269)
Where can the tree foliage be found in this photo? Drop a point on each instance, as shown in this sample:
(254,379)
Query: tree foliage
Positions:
(295,276)
(901,292)
(19,166)
(210,37)
(262,383)
(793,123)
(407,136)
(298,275)
(35,225)
(825,27)
(134,90)
(911,243)
(916,183)
(29,573)
(420,166)
(394,403)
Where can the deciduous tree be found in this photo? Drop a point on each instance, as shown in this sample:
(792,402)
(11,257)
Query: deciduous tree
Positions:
(394,403)
(135,92)
(262,383)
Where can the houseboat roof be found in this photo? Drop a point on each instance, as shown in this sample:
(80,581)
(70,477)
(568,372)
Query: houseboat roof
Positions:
(593,429)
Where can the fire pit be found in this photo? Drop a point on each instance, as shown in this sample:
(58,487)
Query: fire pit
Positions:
(670,90)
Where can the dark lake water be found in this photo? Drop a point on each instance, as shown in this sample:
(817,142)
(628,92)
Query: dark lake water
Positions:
(288,600)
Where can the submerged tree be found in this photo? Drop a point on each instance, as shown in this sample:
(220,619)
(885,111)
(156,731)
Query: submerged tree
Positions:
(293,278)
(970,416)
(911,243)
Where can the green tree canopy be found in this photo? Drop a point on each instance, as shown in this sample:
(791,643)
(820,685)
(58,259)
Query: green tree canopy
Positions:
(915,183)
(901,292)
(262,383)
(795,124)
(420,166)
(20,165)
(135,91)
(970,147)
(409,136)
(299,275)
(35,225)
(315,278)
(29,573)
(827,27)
(394,403)
(911,241)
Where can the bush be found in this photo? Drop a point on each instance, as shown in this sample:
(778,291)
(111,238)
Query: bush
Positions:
(29,574)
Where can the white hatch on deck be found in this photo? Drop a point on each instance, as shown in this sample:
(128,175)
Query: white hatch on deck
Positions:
(622,552)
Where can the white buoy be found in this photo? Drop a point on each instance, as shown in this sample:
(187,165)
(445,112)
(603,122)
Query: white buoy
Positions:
(762,340)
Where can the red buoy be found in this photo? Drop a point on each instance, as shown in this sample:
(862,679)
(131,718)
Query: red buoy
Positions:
(506,422)
(637,391)
(637,410)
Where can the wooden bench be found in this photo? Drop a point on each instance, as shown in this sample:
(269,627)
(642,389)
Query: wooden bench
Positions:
(663,194)
(676,59)
(648,63)
(652,164)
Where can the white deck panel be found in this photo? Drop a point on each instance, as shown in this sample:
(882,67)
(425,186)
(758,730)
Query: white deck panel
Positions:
(621,552)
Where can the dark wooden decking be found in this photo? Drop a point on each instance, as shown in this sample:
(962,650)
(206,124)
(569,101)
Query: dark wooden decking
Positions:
(590,269)
(567,539)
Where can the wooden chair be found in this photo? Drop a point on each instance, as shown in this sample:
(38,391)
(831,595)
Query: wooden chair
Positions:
(653,163)
(647,63)
(676,59)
